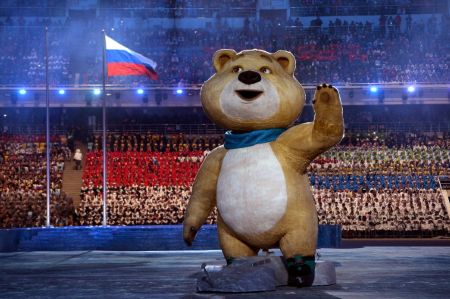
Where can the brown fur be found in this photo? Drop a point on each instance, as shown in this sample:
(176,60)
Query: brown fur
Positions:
(296,232)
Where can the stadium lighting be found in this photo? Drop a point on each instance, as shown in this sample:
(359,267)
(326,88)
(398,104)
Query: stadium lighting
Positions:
(61,91)
(179,91)
(4,115)
(411,89)
(373,89)
(22,91)
(140,91)
(97,91)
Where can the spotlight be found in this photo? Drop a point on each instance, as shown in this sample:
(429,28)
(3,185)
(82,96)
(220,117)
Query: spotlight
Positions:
(179,91)
(373,89)
(4,115)
(61,91)
(22,91)
(97,91)
(140,91)
(411,89)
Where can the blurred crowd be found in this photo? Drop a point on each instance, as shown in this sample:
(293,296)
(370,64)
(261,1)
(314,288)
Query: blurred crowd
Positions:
(23,181)
(406,212)
(137,205)
(344,180)
(123,142)
(28,208)
(383,160)
(148,168)
(374,185)
(341,52)
(362,7)
(397,48)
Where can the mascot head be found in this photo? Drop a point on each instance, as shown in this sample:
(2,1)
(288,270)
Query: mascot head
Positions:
(253,90)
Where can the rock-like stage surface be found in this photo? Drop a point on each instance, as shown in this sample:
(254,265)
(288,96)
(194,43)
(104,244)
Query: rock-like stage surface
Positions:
(368,272)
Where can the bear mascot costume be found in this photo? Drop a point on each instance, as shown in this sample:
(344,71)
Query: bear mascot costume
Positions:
(257,179)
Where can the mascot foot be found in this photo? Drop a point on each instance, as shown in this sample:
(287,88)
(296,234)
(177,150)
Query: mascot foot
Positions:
(301,270)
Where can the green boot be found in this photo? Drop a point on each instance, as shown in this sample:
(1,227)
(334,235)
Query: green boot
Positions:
(229,260)
(301,270)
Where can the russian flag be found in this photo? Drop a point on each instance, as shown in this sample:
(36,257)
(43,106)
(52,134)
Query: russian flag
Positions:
(122,61)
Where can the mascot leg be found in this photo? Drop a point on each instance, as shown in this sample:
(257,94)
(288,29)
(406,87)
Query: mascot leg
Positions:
(299,252)
(231,246)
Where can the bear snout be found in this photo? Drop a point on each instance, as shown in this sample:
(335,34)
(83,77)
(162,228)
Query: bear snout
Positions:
(249,77)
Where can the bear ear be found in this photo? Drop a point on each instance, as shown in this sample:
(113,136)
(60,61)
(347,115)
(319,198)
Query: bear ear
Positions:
(286,60)
(221,57)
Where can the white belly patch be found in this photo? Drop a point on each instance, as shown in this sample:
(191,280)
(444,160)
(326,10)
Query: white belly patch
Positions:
(251,189)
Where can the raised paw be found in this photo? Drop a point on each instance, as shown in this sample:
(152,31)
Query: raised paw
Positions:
(326,95)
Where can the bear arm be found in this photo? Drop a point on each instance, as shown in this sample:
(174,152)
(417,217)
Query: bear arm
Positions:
(203,198)
(303,143)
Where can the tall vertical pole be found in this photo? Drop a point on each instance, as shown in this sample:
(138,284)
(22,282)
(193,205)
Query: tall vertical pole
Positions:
(47,127)
(105,215)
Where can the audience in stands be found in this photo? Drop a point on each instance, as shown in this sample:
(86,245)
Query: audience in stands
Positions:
(392,212)
(23,182)
(374,185)
(136,205)
(340,53)
(352,184)
(123,142)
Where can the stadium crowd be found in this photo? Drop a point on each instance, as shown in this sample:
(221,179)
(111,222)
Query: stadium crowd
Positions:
(362,7)
(394,50)
(352,185)
(371,187)
(23,181)
(406,212)
(156,168)
(123,142)
(343,52)
(373,184)
(137,205)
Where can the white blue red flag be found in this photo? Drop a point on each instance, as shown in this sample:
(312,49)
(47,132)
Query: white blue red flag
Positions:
(122,61)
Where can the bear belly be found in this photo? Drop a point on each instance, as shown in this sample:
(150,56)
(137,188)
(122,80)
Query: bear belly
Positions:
(251,190)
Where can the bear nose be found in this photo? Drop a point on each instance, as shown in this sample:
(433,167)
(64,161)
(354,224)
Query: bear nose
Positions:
(249,77)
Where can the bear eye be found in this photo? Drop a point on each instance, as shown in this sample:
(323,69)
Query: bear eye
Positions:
(265,70)
(237,69)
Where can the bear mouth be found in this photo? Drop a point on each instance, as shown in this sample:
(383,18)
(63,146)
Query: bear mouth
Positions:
(248,95)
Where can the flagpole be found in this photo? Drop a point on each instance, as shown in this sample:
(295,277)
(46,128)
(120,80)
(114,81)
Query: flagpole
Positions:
(47,127)
(105,216)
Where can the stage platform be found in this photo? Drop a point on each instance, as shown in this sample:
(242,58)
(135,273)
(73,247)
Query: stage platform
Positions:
(126,238)
(367,272)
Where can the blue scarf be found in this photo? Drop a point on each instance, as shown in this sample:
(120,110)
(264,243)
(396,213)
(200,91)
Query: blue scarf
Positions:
(233,140)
